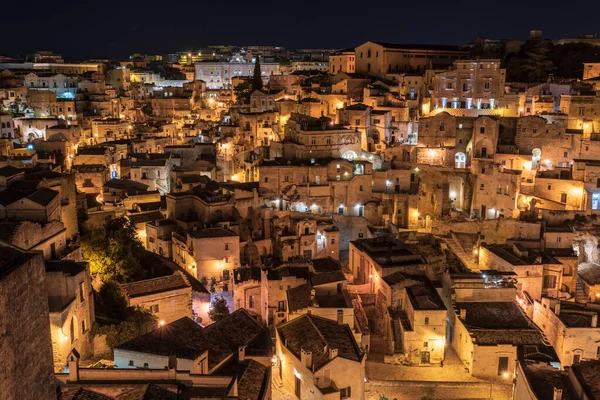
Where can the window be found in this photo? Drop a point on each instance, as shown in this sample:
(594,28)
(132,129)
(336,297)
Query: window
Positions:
(502,365)
(266,179)
(81,292)
(426,320)
(482,187)
(465,87)
(226,246)
(281,306)
(425,344)
(251,302)
(550,281)
(154,308)
(346,392)
(563,197)
(131,363)
(449,85)
(145,365)
(581,111)
(482,130)
(332,241)
(499,191)
(596,201)
(442,127)
(357,121)
(340,209)
(566,154)
(487,85)
(82,326)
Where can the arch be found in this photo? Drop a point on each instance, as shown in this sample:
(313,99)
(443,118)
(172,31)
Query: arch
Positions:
(349,155)
(460,160)
(536,156)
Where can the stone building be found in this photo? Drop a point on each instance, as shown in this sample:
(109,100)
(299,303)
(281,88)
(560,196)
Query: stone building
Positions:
(379,59)
(169,297)
(219,75)
(343,61)
(307,137)
(71,305)
(414,318)
(210,252)
(26,350)
(571,328)
(470,84)
(488,336)
(316,356)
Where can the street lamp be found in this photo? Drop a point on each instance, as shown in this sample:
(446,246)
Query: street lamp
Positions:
(504,375)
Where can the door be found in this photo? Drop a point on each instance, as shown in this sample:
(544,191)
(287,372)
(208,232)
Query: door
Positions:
(483,152)
(425,357)
(361,211)
(483,212)
(576,358)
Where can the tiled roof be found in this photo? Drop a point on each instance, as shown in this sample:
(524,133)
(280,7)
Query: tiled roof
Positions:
(9,171)
(318,335)
(212,233)
(69,267)
(298,297)
(327,277)
(43,196)
(253,382)
(11,258)
(82,394)
(148,392)
(126,184)
(138,218)
(186,339)
(155,285)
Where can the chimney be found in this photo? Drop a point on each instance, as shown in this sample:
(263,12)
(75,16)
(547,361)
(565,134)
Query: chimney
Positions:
(463,314)
(340,317)
(241,353)
(595,320)
(333,353)
(557,394)
(306,358)
(73,367)
(557,308)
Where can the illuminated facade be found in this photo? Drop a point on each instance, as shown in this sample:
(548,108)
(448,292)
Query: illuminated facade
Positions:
(218,75)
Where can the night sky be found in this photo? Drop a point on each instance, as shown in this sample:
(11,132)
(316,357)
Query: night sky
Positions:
(110,29)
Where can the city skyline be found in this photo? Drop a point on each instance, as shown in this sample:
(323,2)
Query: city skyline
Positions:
(149,29)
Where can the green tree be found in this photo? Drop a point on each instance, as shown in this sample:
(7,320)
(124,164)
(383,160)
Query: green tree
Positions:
(243,91)
(139,322)
(257,82)
(114,251)
(218,309)
(110,301)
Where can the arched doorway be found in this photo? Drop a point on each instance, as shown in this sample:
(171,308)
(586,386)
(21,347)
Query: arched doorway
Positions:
(535,158)
(460,160)
(349,155)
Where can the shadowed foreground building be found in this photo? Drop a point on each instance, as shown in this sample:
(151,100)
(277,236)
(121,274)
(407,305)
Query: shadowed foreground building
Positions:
(26,370)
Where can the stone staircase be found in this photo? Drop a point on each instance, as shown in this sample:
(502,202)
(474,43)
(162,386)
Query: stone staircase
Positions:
(459,252)
(580,296)
(398,348)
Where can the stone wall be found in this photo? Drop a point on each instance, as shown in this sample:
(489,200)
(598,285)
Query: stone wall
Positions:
(26,371)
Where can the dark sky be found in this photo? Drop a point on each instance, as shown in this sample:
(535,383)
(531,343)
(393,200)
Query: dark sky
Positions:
(111,29)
